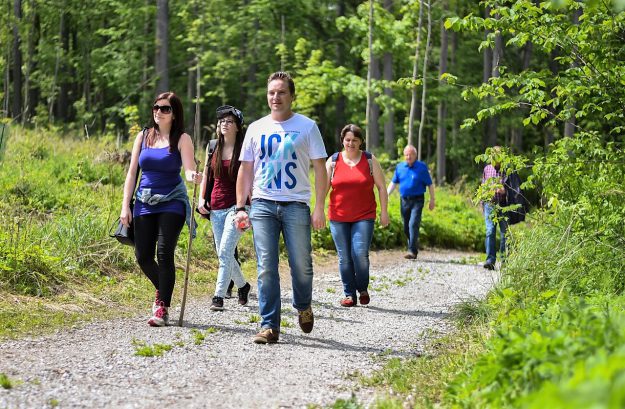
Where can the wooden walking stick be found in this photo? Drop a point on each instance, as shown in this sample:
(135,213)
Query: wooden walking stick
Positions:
(186,269)
(196,137)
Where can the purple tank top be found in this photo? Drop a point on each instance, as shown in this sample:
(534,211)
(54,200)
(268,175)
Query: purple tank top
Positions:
(160,171)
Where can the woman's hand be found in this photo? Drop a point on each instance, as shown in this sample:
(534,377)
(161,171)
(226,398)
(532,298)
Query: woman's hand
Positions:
(196,178)
(125,216)
(201,206)
(242,220)
(384,219)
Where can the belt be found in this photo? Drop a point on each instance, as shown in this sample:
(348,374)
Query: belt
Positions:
(278,202)
(417,197)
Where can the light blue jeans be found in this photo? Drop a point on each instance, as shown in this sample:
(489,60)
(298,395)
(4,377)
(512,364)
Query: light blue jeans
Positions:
(491,234)
(226,238)
(352,241)
(292,219)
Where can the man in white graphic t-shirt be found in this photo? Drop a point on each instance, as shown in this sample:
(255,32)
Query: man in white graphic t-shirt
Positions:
(275,160)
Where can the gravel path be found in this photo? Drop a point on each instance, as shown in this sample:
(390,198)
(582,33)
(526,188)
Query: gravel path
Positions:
(96,367)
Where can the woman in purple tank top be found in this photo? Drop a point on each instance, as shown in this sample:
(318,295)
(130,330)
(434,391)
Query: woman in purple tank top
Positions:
(162,204)
(218,198)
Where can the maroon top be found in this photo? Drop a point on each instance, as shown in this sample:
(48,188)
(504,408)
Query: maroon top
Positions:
(224,194)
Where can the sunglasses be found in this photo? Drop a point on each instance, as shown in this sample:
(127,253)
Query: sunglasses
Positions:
(226,121)
(165,109)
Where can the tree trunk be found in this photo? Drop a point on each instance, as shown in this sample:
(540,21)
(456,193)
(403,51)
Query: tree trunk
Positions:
(441,134)
(63,104)
(162,45)
(569,125)
(17,61)
(145,46)
(369,74)
(486,74)
(455,124)
(57,63)
(341,101)
(497,55)
(373,139)
(389,125)
(415,67)
(425,71)
(31,93)
(516,142)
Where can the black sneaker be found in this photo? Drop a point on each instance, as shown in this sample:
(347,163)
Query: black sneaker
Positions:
(217,304)
(229,290)
(243,293)
(489,265)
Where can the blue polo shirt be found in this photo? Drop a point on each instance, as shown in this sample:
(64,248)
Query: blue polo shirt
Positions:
(412,180)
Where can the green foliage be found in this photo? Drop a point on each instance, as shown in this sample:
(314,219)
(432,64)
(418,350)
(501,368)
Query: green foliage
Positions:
(198,336)
(547,341)
(454,223)
(351,403)
(5,382)
(142,348)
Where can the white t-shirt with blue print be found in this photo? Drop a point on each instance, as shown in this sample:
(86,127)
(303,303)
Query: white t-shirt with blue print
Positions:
(281,152)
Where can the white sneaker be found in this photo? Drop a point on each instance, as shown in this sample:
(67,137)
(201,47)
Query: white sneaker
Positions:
(160,317)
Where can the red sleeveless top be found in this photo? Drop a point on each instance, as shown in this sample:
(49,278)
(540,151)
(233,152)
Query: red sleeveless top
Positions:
(352,198)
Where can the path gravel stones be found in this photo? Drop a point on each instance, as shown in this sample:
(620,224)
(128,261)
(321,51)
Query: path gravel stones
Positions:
(213,362)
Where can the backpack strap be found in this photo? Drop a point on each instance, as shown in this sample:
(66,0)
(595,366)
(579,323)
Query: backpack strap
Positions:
(370,161)
(210,149)
(335,157)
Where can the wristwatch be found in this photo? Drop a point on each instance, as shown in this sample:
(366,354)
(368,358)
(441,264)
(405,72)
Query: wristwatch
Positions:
(240,209)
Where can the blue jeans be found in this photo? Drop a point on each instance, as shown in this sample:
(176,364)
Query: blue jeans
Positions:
(411,210)
(226,237)
(491,234)
(292,219)
(352,242)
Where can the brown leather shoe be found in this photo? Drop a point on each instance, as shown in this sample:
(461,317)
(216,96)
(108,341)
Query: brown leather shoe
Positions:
(306,320)
(410,256)
(267,336)
(364,298)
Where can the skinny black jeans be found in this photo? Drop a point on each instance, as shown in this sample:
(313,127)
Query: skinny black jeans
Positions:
(158,233)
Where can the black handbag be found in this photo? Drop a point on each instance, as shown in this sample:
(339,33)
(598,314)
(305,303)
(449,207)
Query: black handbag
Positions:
(126,235)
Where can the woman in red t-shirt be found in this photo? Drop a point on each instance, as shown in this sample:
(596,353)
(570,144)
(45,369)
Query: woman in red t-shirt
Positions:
(352,211)
(221,182)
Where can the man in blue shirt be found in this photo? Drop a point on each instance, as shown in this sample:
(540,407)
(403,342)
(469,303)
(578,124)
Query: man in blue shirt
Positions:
(412,176)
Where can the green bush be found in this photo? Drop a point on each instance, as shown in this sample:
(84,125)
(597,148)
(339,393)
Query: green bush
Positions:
(543,346)
(454,223)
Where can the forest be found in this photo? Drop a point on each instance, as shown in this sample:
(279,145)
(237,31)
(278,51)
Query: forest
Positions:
(94,67)
(543,79)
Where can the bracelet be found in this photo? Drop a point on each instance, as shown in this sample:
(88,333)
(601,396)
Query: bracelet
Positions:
(240,209)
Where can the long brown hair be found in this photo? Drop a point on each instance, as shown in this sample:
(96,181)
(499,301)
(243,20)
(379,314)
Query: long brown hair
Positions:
(177,123)
(216,163)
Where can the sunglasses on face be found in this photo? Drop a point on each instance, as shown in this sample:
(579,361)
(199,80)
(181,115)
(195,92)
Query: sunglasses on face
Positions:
(226,122)
(165,109)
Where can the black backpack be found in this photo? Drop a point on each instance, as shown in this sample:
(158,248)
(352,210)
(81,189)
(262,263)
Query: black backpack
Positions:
(514,196)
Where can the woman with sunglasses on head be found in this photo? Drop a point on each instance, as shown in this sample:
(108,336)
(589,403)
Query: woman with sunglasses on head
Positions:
(162,204)
(218,198)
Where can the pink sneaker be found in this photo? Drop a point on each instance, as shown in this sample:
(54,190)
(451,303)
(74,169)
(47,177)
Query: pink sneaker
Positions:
(160,317)
(157,302)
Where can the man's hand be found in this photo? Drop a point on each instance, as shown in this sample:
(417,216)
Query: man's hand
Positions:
(318,218)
